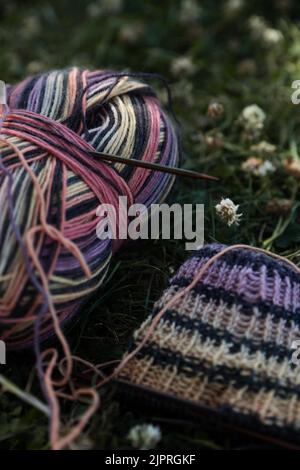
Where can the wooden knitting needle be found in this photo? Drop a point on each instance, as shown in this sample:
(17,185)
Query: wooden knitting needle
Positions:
(154,166)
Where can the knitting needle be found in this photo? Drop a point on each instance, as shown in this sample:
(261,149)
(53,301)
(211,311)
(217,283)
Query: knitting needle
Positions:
(154,166)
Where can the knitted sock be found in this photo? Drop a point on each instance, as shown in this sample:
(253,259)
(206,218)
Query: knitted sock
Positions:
(226,344)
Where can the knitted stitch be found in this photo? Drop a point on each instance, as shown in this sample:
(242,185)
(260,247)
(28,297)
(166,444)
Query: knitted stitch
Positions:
(226,344)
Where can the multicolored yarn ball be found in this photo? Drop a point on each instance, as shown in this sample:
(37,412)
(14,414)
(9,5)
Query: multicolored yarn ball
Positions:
(220,338)
(51,259)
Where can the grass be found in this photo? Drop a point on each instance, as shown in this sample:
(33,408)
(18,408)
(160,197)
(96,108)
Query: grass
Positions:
(227,60)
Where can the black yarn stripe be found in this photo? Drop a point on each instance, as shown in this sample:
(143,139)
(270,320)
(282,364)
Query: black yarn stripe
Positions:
(287,431)
(141,135)
(22,222)
(219,294)
(244,257)
(42,94)
(23,99)
(54,217)
(64,88)
(82,207)
(103,135)
(268,348)
(11,159)
(164,179)
(106,113)
(220,374)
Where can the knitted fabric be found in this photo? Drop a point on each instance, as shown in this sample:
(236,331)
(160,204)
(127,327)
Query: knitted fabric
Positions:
(226,344)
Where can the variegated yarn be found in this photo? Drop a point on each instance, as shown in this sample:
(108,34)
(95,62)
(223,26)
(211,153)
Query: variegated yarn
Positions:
(50,187)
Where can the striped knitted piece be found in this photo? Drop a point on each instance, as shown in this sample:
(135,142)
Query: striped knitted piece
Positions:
(226,344)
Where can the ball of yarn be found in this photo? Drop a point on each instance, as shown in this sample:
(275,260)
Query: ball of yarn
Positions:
(50,187)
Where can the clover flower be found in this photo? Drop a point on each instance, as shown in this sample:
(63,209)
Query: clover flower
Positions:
(215,109)
(252,117)
(144,436)
(227,212)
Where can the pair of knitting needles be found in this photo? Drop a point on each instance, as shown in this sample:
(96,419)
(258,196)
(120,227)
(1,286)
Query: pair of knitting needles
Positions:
(115,158)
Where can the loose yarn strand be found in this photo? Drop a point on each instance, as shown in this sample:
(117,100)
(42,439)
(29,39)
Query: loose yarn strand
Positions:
(29,270)
(46,378)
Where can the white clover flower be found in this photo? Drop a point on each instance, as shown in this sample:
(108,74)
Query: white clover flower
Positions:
(215,109)
(227,211)
(252,117)
(272,36)
(144,436)
(183,65)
